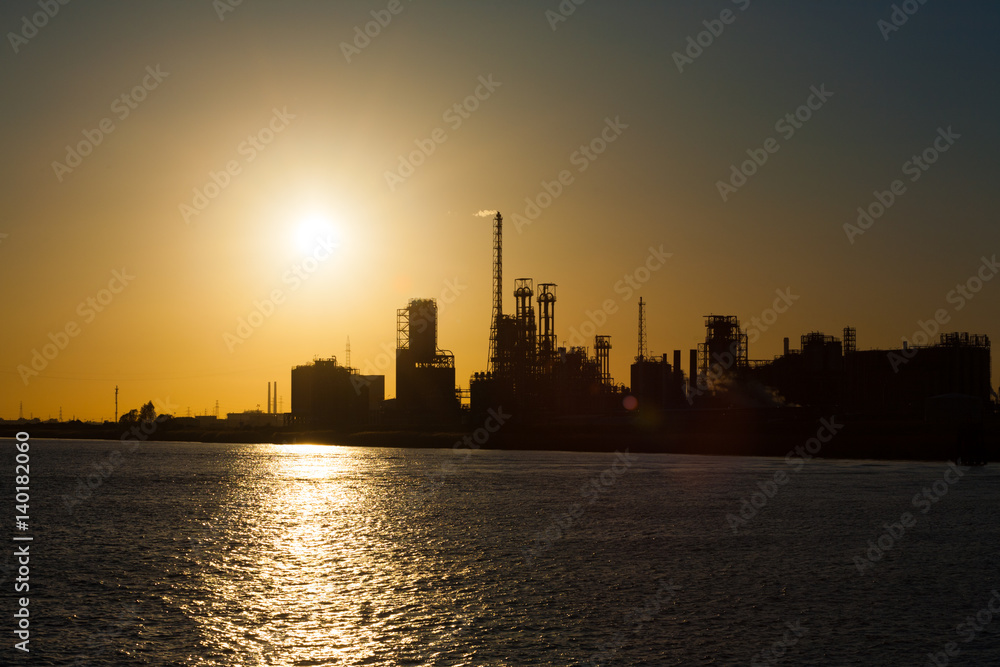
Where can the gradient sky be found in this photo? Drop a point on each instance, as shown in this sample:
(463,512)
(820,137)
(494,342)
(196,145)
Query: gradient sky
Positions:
(324,173)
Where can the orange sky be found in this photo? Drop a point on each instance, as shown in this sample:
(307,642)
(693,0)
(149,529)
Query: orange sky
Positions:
(228,162)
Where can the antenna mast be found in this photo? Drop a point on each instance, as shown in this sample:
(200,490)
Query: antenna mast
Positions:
(497,290)
(643,352)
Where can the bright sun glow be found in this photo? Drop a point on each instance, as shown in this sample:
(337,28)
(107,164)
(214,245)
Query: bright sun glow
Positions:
(311,229)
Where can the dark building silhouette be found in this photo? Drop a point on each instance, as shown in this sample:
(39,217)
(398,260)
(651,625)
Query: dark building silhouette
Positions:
(826,372)
(532,377)
(425,375)
(900,380)
(528,373)
(376,393)
(811,375)
(326,395)
(656,384)
(725,347)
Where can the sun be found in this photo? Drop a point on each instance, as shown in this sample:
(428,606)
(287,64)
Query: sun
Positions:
(311,229)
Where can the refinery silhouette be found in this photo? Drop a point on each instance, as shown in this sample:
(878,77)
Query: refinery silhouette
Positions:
(929,401)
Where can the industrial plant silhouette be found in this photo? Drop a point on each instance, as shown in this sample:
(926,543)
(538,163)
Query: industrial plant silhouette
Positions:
(932,401)
(938,395)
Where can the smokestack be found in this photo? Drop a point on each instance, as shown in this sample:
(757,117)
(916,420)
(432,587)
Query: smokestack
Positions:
(694,366)
(677,361)
(786,346)
(268,409)
(274,408)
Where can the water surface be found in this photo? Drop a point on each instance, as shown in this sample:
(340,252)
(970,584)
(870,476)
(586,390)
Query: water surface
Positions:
(227,554)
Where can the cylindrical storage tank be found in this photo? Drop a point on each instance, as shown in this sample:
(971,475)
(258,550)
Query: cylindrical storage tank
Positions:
(423,329)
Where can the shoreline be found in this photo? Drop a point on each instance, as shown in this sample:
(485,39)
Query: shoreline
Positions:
(743,435)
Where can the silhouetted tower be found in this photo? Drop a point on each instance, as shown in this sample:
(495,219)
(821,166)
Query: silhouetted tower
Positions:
(116,404)
(524,311)
(525,340)
(497,290)
(602,348)
(216,408)
(268,398)
(643,352)
(725,345)
(850,340)
(425,376)
(693,368)
(348,359)
(547,324)
(418,325)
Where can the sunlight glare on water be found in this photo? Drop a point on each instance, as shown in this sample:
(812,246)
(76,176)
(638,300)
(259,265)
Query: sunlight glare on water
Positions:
(301,555)
(301,581)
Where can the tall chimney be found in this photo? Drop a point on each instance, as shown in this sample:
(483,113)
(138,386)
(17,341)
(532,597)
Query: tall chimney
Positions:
(274,409)
(693,377)
(268,410)
(786,346)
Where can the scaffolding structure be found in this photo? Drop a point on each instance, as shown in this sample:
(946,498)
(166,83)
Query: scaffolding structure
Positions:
(850,340)
(527,368)
(425,375)
(416,335)
(602,350)
(643,352)
(547,320)
(964,339)
(725,347)
(524,361)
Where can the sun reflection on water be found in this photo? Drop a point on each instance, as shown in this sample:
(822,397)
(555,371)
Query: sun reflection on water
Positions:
(286,580)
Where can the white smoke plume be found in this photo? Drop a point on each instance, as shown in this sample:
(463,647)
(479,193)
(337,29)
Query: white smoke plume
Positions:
(485,214)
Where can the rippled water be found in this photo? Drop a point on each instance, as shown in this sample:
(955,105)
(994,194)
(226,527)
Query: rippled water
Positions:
(312,555)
